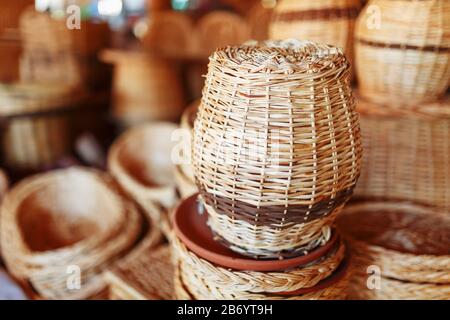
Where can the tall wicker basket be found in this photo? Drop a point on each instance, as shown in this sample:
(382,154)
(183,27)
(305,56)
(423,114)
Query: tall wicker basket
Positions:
(277,145)
(403,51)
(406,154)
(324,21)
(31,140)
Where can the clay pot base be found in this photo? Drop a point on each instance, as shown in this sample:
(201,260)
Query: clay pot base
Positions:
(190,225)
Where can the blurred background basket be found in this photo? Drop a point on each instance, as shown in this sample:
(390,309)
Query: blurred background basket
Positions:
(402,51)
(277,145)
(406,154)
(63,223)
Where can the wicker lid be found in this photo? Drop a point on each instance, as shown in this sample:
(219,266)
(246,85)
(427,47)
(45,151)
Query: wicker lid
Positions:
(280,57)
(407,231)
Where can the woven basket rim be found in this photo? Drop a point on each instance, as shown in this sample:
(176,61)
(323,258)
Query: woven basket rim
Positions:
(280,57)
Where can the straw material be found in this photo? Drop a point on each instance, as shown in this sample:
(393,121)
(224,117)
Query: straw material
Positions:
(406,154)
(276,144)
(141,161)
(325,21)
(406,249)
(220,28)
(403,51)
(46,230)
(224,283)
(32,142)
(145,88)
(146,274)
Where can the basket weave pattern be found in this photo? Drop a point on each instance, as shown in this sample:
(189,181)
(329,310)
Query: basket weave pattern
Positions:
(308,154)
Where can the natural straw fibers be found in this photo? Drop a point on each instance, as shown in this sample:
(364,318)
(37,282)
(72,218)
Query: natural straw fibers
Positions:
(406,154)
(72,217)
(402,51)
(141,160)
(225,283)
(324,21)
(277,145)
(407,242)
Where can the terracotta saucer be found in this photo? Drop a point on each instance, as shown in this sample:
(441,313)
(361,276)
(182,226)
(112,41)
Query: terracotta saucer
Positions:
(190,225)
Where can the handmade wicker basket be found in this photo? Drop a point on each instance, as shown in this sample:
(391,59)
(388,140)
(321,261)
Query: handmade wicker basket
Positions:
(146,274)
(324,21)
(48,234)
(406,154)
(402,51)
(392,248)
(31,140)
(141,160)
(277,145)
(145,88)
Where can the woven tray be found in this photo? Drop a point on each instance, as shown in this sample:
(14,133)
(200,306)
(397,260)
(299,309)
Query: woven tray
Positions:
(402,51)
(410,243)
(406,153)
(259,200)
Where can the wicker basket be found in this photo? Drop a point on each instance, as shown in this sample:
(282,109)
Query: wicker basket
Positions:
(185,185)
(205,280)
(324,21)
(146,274)
(187,124)
(406,154)
(276,145)
(410,245)
(220,28)
(145,88)
(404,58)
(45,230)
(32,140)
(141,161)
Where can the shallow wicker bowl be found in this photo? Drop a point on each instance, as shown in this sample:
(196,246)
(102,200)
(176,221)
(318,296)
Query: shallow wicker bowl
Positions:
(277,145)
(141,160)
(402,51)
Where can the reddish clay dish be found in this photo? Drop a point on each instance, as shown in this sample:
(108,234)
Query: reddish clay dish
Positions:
(190,225)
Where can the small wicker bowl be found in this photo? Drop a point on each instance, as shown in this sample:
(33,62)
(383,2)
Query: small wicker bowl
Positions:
(274,159)
(141,161)
(407,242)
(67,218)
(402,51)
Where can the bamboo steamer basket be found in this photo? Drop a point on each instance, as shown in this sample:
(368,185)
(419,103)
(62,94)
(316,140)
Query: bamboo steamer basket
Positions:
(32,140)
(147,274)
(406,153)
(220,28)
(403,51)
(324,21)
(141,160)
(410,246)
(170,33)
(45,229)
(145,88)
(281,197)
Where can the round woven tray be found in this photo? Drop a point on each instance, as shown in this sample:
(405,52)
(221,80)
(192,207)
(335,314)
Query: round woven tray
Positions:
(406,153)
(45,229)
(402,51)
(270,157)
(409,250)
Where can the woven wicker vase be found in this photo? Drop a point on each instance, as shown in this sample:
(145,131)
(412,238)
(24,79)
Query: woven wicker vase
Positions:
(408,244)
(141,160)
(406,154)
(402,51)
(324,21)
(145,88)
(63,223)
(276,145)
(32,136)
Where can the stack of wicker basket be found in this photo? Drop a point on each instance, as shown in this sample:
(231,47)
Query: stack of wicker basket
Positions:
(276,155)
(402,52)
(400,251)
(60,230)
